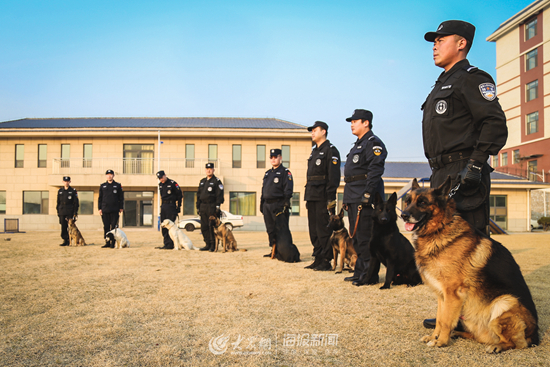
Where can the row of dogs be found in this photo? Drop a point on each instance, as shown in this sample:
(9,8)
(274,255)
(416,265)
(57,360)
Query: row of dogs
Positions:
(118,239)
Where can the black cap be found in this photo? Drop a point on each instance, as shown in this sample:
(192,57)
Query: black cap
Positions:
(160,174)
(449,27)
(274,152)
(360,115)
(110,171)
(321,124)
(209,165)
(66,178)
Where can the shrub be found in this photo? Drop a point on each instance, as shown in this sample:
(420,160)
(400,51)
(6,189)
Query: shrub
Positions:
(544,222)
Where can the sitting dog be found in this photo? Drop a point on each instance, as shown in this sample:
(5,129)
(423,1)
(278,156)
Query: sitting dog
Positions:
(74,234)
(117,238)
(341,243)
(476,279)
(283,249)
(181,241)
(389,247)
(223,235)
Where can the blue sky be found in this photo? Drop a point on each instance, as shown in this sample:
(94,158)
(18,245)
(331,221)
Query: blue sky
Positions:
(299,61)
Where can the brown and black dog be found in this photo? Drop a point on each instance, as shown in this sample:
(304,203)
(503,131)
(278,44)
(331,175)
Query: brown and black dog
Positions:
(341,243)
(74,234)
(476,279)
(223,235)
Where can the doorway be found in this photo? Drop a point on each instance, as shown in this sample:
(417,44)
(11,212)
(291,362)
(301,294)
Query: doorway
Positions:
(138,209)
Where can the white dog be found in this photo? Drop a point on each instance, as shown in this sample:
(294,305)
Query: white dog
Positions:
(118,236)
(181,241)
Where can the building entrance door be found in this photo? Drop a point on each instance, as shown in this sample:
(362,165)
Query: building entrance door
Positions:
(138,209)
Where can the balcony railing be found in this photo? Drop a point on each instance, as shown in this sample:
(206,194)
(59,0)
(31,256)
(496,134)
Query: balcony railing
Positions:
(131,166)
(531,175)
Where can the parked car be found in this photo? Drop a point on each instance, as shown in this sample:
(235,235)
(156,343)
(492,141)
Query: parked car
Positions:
(535,224)
(231,221)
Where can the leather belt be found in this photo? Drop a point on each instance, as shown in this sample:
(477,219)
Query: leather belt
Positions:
(271,201)
(316,178)
(355,178)
(168,202)
(442,160)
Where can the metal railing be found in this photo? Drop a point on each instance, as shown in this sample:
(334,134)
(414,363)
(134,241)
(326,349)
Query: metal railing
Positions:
(531,175)
(131,166)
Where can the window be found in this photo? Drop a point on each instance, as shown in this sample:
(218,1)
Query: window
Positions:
(138,158)
(531,59)
(2,202)
(87,156)
(237,155)
(532,124)
(35,202)
(212,152)
(516,156)
(286,155)
(497,210)
(295,203)
(242,203)
(189,203)
(495,161)
(65,155)
(260,156)
(19,155)
(189,155)
(86,201)
(532,90)
(531,29)
(532,170)
(42,155)
(504,159)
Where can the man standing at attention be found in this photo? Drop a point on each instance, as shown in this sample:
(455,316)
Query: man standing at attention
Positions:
(171,196)
(110,204)
(67,207)
(209,199)
(462,125)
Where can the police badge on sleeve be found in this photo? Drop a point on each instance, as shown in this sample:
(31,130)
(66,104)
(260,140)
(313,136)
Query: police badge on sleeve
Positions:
(488,91)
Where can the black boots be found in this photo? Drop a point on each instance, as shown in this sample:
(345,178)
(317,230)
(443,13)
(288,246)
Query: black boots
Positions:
(362,275)
(314,264)
(65,243)
(324,265)
(205,248)
(359,267)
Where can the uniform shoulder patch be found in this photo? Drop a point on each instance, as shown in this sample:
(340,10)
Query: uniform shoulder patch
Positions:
(335,160)
(471,69)
(220,186)
(377,149)
(488,91)
(372,137)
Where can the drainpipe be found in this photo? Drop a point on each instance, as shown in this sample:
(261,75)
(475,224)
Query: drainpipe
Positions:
(529,210)
(158,188)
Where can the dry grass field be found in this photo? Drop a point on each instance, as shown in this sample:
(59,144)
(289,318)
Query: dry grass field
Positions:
(87,306)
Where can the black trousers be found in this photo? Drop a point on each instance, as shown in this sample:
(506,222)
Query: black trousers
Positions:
(168,211)
(363,235)
(206,210)
(270,215)
(319,233)
(110,221)
(64,221)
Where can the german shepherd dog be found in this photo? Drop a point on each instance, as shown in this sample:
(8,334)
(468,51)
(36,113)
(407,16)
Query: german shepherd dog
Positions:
(341,243)
(476,279)
(74,234)
(284,249)
(223,235)
(389,247)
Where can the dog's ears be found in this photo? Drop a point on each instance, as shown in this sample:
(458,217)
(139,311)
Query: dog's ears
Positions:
(392,201)
(445,187)
(377,198)
(415,184)
(341,214)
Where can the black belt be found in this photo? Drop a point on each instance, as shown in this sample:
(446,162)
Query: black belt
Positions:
(316,178)
(355,178)
(442,160)
(168,202)
(271,201)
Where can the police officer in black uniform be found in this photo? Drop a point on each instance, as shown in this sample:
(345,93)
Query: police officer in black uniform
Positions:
(110,204)
(323,179)
(277,191)
(67,207)
(463,124)
(170,194)
(209,199)
(363,177)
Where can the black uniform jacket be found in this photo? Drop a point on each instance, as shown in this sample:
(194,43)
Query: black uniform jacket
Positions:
(111,197)
(366,157)
(323,173)
(278,184)
(463,113)
(210,192)
(67,201)
(170,192)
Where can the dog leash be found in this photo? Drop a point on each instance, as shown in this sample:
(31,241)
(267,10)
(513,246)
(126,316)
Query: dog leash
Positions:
(359,208)
(453,191)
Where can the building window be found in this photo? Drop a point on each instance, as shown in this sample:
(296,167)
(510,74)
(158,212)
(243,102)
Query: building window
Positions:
(532,170)
(531,59)
(189,155)
(260,156)
(505,159)
(138,158)
(86,201)
(531,29)
(2,202)
(35,202)
(286,155)
(65,155)
(189,203)
(532,124)
(515,157)
(497,210)
(212,152)
(295,203)
(42,155)
(495,161)
(532,90)
(87,155)
(237,155)
(19,155)
(242,203)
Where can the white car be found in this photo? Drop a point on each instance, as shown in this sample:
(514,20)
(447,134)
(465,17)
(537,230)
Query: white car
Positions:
(231,221)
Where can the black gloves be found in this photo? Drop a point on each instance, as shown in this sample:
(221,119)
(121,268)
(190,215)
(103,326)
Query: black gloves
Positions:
(366,199)
(286,206)
(218,211)
(178,209)
(471,174)
(198,212)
